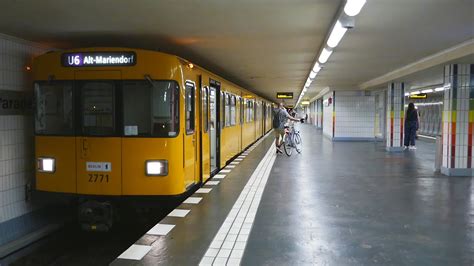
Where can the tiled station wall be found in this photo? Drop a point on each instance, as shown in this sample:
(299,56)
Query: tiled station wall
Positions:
(16,137)
(315,113)
(327,114)
(355,115)
(319,113)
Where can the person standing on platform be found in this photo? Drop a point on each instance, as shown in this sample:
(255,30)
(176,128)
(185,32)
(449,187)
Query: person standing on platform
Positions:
(411,126)
(280,116)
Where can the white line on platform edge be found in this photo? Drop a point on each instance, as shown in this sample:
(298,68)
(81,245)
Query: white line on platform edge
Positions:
(219,176)
(135,252)
(161,229)
(229,243)
(203,190)
(192,200)
(179,213)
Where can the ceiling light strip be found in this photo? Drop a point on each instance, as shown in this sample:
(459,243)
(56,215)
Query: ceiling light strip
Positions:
(344,22)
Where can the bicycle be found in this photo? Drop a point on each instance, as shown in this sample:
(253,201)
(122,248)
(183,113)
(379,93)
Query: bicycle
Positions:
(291,139)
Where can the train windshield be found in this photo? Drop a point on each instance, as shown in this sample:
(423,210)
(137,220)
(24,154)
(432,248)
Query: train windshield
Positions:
(151,108)
(146,108)
(98,108)
(54,108)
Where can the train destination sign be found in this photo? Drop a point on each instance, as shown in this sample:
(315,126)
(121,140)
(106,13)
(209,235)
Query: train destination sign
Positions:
(419,96)
(14,102)
(97,59)
(284,95)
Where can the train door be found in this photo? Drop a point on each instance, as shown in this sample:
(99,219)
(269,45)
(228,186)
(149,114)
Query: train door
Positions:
(264,117)
(190,136)
(99,144)
(241,101)
(205,134)
(215,126)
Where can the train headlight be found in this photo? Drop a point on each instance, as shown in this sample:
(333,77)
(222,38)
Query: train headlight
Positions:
(156,167)
(46,165)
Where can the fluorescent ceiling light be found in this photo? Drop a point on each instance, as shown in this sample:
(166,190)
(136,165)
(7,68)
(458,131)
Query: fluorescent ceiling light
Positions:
(415,92)
(336,35)
(353,7)
(427,91)
(312,75)
(316,67)
(439,89)
(324,56)
(407,94)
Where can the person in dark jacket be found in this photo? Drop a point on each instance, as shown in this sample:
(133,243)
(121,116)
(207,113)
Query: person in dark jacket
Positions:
(411,126)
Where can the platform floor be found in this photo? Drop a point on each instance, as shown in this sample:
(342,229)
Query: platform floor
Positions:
(337,203)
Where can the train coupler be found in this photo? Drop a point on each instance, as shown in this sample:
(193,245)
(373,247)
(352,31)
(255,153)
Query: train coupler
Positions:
(96,216)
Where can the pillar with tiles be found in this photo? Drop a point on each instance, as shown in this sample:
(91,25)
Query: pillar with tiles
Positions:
(395,116)
(458,118)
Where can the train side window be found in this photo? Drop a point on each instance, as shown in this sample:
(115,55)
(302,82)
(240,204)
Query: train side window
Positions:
(247,111)
(233,113)
(205,106)
(250,111)
(256,112)
(222,109)
(242,110)
(189,108)
(227,110)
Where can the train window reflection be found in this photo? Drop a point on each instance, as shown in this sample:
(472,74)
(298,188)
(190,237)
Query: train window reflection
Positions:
(232,111)
(189,106)
(151,108)
(54,108)
(227,110)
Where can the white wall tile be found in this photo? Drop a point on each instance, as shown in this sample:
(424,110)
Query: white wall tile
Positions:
(16,136)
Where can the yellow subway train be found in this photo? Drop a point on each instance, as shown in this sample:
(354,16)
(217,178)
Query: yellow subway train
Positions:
(115,123)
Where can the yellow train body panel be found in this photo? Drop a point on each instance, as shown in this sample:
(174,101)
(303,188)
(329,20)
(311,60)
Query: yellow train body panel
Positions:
(64,177)
(136,150)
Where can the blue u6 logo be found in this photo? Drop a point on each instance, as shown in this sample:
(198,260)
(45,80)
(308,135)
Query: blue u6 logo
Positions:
(74,60)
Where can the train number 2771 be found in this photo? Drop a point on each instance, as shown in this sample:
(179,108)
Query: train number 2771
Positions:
(101,178)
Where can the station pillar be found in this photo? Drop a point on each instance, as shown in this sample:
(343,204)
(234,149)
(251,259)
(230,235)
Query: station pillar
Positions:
(395,116)
(458,118)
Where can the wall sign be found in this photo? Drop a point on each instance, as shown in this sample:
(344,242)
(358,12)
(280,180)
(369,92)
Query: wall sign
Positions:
(284,95)
(14,102)
(97,59)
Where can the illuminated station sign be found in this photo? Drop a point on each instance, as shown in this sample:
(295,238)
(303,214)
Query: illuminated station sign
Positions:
(97,59)
(284,95)
(418,96)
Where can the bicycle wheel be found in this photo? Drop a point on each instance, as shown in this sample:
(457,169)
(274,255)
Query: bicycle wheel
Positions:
(288,145)
(297,141)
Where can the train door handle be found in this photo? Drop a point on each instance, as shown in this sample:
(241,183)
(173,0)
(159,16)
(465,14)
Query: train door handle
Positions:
(85,148)
(85,145)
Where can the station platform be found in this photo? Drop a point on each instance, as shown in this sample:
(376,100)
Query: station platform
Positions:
(336,203)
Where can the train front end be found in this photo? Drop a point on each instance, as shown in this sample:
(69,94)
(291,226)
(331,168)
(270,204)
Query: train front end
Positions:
(107,126)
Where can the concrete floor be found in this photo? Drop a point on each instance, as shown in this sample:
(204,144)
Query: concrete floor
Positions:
(352,203)
(337,203)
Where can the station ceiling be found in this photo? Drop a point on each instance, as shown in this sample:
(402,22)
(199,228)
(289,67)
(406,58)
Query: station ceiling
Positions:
(264,45)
